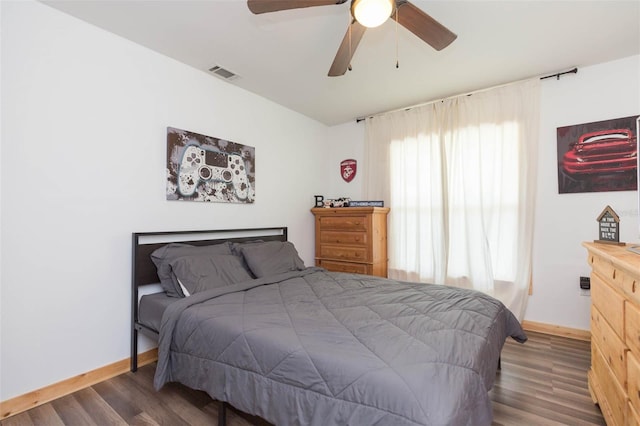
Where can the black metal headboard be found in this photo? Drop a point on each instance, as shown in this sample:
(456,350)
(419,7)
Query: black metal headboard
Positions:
(144,270)
(144,243)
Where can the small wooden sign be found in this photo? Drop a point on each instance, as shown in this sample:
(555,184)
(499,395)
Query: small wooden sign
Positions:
(609,227)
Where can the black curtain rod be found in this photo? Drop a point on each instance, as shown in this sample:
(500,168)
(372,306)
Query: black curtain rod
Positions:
(557,75)
(573,71)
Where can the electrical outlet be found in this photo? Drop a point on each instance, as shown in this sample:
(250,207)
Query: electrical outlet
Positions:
(585,283)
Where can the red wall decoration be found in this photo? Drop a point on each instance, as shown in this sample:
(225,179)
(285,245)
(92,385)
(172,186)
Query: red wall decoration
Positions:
(348,169)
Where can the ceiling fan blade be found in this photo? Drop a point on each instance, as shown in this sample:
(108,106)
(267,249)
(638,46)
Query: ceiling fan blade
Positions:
(424,26)
(347,49)
(265,6)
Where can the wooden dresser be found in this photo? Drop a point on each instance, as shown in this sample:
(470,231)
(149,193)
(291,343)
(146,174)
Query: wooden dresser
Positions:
(352,239)
(614,378)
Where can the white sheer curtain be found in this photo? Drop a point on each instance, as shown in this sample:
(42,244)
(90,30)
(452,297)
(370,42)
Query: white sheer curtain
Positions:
(459,176)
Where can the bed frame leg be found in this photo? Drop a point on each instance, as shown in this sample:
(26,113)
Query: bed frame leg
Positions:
(222,414)
(134,350)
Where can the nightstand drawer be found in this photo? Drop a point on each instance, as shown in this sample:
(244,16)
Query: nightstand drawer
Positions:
(609,302)
(610,345)
(346,238)
(343,223)
(352,268)
(357,254)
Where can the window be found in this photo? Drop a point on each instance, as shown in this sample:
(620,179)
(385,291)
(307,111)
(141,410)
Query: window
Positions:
(459,179)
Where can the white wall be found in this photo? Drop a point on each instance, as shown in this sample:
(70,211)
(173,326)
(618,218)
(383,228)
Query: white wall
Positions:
(563,221)
(600,92)
(345,141)
(83,166)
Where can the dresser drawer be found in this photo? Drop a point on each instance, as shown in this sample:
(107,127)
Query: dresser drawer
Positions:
(633,418)
(631,287)
(609,302)
(352,268)
(346,238)
(632,327)
(357,254)
(607,270)
(610,345)
(612,399)
(633,380)
(343,223)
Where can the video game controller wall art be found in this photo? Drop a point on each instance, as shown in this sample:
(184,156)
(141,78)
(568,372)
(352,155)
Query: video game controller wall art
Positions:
(204,168)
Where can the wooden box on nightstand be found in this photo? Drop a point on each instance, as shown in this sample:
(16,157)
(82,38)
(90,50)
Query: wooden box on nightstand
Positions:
(352,239)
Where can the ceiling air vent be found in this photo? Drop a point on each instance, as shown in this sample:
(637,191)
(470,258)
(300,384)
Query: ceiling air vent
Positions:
(223,73)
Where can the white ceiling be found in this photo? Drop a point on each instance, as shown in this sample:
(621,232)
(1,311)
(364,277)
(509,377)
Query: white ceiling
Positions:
(285,56)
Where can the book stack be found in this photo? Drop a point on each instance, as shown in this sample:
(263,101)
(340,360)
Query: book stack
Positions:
(366,203)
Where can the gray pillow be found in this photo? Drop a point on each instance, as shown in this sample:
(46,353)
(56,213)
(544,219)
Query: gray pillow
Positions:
(207,271)
(163,256)
(236,248)
(272,258)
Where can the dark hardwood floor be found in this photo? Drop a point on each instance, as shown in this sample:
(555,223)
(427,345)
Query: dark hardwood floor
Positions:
(543,382)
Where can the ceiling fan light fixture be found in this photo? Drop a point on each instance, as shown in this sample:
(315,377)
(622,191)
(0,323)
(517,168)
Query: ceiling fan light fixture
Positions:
(372,13)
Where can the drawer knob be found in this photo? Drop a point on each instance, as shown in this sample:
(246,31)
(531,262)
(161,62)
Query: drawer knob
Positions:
(633,286)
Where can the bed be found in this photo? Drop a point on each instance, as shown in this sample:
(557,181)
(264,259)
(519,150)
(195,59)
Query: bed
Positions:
(299,345)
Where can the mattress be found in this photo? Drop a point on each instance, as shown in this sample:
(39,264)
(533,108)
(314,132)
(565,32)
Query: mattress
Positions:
(151,309)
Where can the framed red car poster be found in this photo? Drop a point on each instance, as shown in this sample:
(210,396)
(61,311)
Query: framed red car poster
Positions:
(598,156)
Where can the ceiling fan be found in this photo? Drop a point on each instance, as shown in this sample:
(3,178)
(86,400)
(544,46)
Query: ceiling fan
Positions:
(367,14)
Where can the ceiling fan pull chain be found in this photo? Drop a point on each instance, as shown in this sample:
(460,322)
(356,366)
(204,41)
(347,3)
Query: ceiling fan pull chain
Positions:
(350,54)
(397,54)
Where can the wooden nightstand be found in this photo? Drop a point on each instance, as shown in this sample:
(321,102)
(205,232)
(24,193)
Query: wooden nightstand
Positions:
(352,239)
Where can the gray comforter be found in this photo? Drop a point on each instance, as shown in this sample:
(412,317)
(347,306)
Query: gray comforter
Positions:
(322,348)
